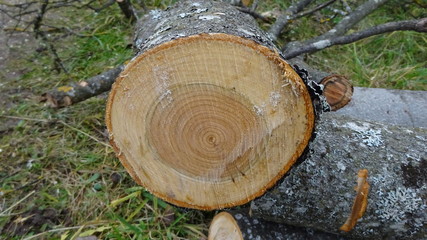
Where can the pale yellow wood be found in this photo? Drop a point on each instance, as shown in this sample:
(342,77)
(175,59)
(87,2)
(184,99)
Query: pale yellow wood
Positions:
(209,121)
(224,227)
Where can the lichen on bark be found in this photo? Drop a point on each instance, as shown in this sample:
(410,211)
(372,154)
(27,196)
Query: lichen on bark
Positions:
(319,192)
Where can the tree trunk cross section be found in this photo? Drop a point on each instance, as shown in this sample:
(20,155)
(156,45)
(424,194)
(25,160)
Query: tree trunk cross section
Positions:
(207,115)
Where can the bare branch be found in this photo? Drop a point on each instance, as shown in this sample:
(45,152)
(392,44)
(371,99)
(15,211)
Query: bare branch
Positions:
(355,17)
(315,9)
(127,9)
(341,28)
(254,5)
(419,25)
(77,92)
(288,15)
(38,20)
(253,14)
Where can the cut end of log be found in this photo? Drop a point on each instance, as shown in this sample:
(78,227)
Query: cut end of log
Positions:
(209,121)
(224,227)
(338,91)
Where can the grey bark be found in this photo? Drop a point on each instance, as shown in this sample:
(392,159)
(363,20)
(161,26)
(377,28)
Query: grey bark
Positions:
(80,91)
(397,107)
(256,228)
(188,18)
(319,192)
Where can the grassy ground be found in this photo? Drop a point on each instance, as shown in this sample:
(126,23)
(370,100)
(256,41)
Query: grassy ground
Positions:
(58,176)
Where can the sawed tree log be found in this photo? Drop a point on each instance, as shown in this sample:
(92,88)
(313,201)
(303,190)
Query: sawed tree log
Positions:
(207,115)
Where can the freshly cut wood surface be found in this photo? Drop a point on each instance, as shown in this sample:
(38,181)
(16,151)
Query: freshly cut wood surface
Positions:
(224,227)
(338,91)
(208,120)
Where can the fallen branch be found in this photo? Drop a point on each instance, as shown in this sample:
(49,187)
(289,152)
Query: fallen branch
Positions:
(342,27)
(76,92)
(106,5)
(254,14)
(315,9)
(418,25)
(285,18)
(127,9)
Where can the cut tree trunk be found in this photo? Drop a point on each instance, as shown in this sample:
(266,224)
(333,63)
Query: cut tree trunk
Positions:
(207,115)
(320,192)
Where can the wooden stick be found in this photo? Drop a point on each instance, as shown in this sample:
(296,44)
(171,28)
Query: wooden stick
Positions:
(76,92)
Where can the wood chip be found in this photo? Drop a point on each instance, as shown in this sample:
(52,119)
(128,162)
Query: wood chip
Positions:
(360,202)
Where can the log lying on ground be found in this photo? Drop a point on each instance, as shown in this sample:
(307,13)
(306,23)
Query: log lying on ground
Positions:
(257,228)
(207,115)
(237,224)
(397,107)
(319,193)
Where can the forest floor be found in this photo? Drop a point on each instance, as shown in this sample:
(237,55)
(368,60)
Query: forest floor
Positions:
(60,179)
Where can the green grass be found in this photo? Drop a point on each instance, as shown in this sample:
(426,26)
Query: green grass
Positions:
(395,60)
(60,159)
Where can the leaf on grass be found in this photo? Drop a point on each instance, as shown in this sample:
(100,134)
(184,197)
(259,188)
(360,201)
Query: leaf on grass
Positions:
(116,202)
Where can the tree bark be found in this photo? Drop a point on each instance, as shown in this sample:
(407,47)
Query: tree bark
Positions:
(319,192)
(76,92)
(127,9)
(388,106)
(258,228)
(208,114)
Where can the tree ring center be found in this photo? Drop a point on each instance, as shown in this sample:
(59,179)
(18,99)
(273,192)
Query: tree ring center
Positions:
(205,132)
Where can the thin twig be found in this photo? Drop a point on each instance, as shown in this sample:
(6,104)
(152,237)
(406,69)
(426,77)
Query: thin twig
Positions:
(39,18)
(315,9)
(286,17)
(127,9)
(341,28)
(419,25)
(253,14)
(2,214)
(86,134)
(254,5)
(56,59)
(65,229)
(106,5)
(27,119)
